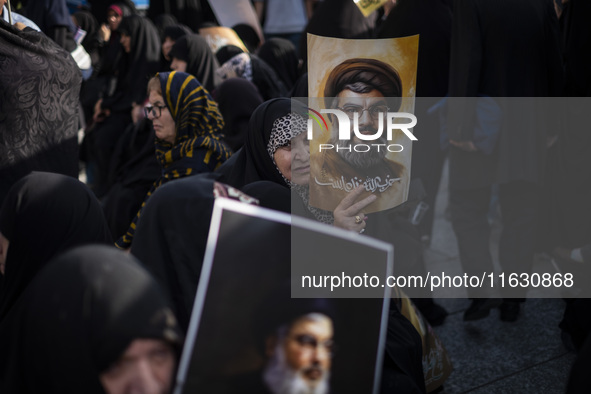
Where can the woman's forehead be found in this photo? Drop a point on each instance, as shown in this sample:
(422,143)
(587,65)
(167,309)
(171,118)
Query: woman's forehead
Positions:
(155,97)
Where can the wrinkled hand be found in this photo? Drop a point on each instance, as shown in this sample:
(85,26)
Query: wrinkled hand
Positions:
(467,146)
(348,215)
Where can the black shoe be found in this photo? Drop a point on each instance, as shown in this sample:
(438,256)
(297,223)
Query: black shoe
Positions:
(480,308)
(509,311)
(434,313)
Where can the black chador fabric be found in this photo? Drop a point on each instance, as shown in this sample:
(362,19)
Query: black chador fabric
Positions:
(189,12)
(201,62)
(133,170)
(432,21)
(53,18)
(43,215)
(248,35)
(569,163)
(227,52)
(521,150)
(173,32)
(79,315)
(171,238)
(99,8)
(39,86)
(338,19)
(134,70)
(112,51)
(141,63)
(281,55)
(237,99)
(163,21)
(252,163)
(300,88)
(91,42)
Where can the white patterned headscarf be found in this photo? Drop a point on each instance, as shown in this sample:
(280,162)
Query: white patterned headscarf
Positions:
(284,130)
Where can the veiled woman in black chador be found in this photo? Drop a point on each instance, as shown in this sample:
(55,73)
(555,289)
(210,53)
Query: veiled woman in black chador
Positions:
(93,313)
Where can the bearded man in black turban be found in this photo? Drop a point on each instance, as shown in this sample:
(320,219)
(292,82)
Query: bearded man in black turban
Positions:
(365,90)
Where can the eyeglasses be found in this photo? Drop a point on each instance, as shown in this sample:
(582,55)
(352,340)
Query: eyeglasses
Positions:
(309,343)
(374,110)
(155,110)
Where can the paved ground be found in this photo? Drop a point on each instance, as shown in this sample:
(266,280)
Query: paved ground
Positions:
(491,356)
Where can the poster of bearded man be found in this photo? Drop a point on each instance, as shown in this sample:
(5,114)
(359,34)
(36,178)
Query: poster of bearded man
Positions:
(360,122)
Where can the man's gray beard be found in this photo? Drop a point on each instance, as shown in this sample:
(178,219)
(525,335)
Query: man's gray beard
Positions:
(281,379)
(363,159)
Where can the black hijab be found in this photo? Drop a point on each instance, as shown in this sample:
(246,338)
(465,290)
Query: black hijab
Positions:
(163,21)
(227,52)
(339,19)
(201,62)
(81,313)
(175,32)
(432,20)
(142,62)
(53,18)
(281,55)
(171,238)
(43,215)
(237,99)
(253,163)
(300,88)
(248,35)
(39,88)
(88,23)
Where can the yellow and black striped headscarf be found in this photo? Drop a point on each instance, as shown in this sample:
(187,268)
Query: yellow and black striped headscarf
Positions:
(197,147)
(198,122)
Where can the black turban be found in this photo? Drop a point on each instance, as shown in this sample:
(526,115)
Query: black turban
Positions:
(279,309)
(375,73)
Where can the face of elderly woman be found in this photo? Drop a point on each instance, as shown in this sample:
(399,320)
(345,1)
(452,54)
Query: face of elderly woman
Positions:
(293,160)
(161,118)
(147,366)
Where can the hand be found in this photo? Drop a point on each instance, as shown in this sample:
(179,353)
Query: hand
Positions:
(348,215)
(99,113)
(105,32)
(20,25)
(467,146)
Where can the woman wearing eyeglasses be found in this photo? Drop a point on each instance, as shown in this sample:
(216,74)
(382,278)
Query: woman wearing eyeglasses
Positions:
(188,128)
